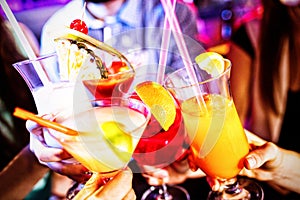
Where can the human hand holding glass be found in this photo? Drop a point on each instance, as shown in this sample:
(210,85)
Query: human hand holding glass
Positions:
(106,135)
(218,142)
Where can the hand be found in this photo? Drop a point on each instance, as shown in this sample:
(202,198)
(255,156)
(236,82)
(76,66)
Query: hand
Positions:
(268,162)
(55,158)
(119,187)
(175,173)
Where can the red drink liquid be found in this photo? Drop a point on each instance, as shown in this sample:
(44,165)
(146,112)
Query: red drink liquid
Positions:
(101,88)
(159,148)
(118,74)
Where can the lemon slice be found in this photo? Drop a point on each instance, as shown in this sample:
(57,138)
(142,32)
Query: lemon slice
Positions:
(211,62)
(118,139)
(159,100)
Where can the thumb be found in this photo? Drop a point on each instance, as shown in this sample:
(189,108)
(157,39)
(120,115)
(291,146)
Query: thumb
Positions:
(94,183)
(264,154)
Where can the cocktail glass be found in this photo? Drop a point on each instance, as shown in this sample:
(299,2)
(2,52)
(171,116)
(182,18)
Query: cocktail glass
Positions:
(158,148)
(65,88)
(218,141)
(107,133)
(62,89)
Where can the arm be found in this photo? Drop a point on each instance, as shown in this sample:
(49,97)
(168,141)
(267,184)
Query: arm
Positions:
(279,167)
(20,175)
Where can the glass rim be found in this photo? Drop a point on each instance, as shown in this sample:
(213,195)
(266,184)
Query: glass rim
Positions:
(45,56)
(128,99)
(226,70)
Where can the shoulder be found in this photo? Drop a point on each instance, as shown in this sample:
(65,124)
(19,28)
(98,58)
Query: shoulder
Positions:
(33,41)
(67,13)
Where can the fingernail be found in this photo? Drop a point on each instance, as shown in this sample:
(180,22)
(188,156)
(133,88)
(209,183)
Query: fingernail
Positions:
(251,161)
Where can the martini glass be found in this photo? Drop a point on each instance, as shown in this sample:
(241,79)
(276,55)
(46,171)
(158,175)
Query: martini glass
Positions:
(108,134)
(218,142)
(68,90)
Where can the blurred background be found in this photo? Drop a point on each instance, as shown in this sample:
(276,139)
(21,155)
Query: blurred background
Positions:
(217,19)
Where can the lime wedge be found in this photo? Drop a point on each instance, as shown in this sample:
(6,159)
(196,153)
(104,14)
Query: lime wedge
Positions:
(118,139)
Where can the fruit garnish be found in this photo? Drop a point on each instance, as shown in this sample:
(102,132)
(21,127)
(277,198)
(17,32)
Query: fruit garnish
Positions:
(159,100)
(79,25)
(211,62)
(77,51)
(120,140)
(118,66)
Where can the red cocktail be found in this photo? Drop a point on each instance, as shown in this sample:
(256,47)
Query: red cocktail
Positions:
(160,148)
(118,74)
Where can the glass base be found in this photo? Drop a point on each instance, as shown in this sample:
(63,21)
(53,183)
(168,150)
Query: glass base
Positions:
(247,190)
(173,193)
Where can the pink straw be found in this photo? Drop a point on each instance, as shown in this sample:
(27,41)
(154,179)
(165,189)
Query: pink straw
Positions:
(174,25)
(164,48)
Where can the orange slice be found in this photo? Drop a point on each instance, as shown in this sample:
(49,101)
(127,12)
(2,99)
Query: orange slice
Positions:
(159,100)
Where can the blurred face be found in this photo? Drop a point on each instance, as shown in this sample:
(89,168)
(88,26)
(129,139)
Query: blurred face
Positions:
(290,2)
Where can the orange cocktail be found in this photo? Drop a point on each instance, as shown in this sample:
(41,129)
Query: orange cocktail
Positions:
(219,143)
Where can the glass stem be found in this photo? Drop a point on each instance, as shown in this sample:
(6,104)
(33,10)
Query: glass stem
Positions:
(164,194)
(232,187)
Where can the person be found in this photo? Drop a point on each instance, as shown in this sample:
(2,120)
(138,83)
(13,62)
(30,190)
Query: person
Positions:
(24,171)
(15,93)
(134,28)
(269,64)
(264,81)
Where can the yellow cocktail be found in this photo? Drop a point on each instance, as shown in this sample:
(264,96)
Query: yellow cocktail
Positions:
(108,133)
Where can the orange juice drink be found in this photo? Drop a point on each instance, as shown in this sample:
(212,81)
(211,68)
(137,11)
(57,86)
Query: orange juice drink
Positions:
(219,144)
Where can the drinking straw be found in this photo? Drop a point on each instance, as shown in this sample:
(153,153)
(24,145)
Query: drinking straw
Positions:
(24,114)
(24,42)
(164,48)
(174,25)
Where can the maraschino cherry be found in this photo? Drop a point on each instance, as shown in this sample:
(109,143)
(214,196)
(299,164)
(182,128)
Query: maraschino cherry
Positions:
(79,25)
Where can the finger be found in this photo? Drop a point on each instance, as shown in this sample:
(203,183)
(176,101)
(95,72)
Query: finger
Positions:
(160,173)
(89,188)
(49,154)
(213,183)
(254,139)
(155,181)
(130,195)
(191,163)
(258,157)
(33,126)
(75,171)
(118,187)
